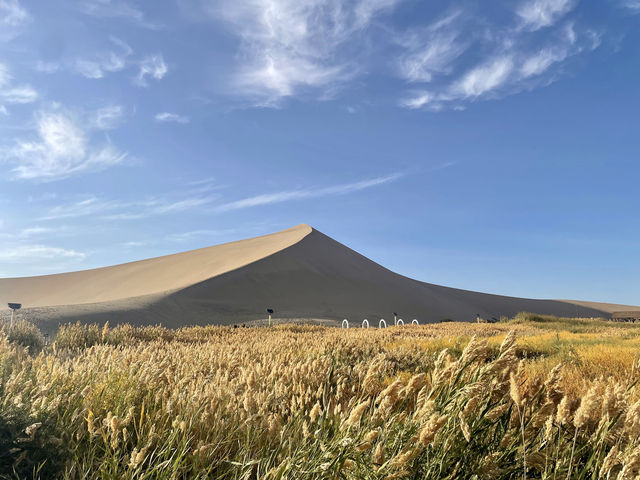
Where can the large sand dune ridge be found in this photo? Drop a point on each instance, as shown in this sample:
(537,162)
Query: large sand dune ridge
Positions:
(299,272)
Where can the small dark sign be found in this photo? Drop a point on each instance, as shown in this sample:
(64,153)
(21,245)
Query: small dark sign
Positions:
(15,306)
(270,311)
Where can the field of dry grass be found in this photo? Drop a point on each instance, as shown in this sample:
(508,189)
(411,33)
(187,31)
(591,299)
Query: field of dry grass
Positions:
(531,397)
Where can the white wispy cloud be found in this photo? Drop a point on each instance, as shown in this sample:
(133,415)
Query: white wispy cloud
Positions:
(5,76)
(91,205)
(434,57)
(126,210)
(514,62)
(119,56)
(12,18)
(96,69)
(290,46)
(33,231)
(160,207)
(314,48)
(152,66)
(38,252)
(205,185)
(115,210)
(422,99)
(42,197)
(171,117)
(60,147)
(182,205)
(289,195)
(12,93)
(115,9)
(632,5)
(484,78)
(109,117)
(47,66)
(536,14)
(106,62)
(499,76)
(133,244)
(432,49)
(25,233)
(4,111)
(19,94)
(12,13)
(201,182)
(540,62)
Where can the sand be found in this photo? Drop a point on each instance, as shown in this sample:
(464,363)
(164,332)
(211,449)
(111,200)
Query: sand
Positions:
(299,272)
(145,277)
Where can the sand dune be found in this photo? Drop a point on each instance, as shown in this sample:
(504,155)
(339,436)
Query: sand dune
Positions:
(299,272)
(145,277)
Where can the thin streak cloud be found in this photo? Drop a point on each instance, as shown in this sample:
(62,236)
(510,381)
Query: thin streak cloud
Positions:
(167,117)
(31,252)
(285,196)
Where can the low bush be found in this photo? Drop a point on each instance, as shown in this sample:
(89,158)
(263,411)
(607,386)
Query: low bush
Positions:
(78,335)
(524,317)
(23,333)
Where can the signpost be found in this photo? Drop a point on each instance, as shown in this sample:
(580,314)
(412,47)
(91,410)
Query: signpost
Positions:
(270,312)
(14,307)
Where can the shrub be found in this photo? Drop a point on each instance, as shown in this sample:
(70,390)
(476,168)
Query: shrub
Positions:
(24,333)
(524,317)
(78,335)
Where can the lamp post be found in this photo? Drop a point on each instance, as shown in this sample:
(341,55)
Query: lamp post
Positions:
(14,307)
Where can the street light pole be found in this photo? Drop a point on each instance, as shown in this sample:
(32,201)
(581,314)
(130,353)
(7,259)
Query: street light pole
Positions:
(14,307)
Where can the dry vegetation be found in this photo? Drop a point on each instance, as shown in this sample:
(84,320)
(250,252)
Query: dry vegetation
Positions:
(533,397)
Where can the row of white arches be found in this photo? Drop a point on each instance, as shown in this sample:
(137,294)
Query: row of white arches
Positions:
(381,324)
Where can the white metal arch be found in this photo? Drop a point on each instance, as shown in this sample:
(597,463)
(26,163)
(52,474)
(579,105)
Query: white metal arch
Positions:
(365,322)
(415,322)
(381,322)
(345,322)
(400,322)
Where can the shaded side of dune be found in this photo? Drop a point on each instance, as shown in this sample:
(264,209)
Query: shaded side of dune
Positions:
(321,278)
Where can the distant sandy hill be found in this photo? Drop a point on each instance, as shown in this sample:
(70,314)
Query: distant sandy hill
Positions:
(299,272)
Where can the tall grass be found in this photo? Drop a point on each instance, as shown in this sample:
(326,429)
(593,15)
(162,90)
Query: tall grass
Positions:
(314,402)
(23,333)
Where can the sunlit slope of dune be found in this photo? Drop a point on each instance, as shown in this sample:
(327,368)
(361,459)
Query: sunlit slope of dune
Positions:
(145,277)
(299,272)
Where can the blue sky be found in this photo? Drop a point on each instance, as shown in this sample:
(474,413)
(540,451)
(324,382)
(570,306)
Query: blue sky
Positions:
(484,145)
